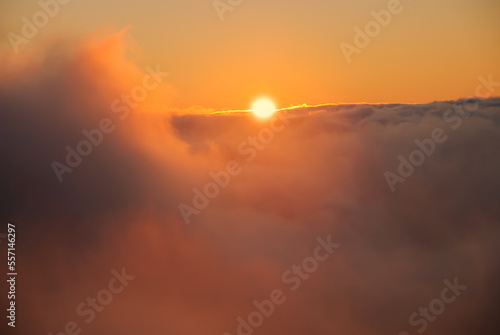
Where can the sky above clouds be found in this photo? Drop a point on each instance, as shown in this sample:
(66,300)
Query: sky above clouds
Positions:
(431,50)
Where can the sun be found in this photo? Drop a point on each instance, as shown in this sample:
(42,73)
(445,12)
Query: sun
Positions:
(263,108)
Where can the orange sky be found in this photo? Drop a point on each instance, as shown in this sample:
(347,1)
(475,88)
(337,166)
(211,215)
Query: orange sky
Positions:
(431,50)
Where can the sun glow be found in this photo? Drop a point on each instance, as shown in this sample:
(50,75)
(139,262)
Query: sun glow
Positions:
(263,108)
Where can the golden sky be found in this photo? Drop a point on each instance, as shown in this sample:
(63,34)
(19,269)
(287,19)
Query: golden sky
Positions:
(290,50)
